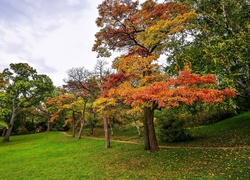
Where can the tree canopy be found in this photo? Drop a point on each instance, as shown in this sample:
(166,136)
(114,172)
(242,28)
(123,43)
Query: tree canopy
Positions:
(22,88)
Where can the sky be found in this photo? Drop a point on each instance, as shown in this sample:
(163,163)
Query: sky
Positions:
(52,36)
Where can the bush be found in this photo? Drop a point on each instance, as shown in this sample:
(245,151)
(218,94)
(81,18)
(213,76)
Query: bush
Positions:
(22,130)
(173,130)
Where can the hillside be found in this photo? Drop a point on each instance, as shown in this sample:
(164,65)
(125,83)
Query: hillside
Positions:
(230,132)
(52,155)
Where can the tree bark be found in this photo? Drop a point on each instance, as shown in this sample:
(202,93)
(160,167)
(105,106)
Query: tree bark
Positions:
(106,132)
(146,131)
(151,132)
(10,126)
(73,125)
(49,128)
(82,120)
(81,129)
(150,140)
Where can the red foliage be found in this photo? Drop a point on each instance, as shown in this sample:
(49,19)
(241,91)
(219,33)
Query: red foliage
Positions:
(184,89)
(113,81)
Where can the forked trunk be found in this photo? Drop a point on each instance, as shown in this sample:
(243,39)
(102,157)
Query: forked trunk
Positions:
(106,131)
(150,136)
(81,129)
(82,121)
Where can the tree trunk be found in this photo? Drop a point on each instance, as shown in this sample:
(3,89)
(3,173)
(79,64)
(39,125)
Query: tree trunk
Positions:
(4,132)
(137,127)
(91,128)
(106,131)
(10,126)
(151,132)
(82,120)
(81,129)
(49,128)
(150,140)
(73,125)
(145,126)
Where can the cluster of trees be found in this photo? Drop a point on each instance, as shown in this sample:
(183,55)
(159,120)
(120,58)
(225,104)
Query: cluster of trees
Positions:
(205,44)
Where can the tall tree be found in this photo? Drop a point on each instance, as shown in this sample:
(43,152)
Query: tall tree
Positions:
(126,26)
(185,89)
(87,85)
(25,88)
(82,83)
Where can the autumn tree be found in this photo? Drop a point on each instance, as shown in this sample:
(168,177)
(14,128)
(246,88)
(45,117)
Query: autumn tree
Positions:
(82,83)
(87,85)
(68,106)
(23,88)
(125,26)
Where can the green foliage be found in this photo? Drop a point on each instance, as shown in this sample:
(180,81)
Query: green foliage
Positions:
(205,114)
(219,45)
(22,130)
(173,131)
(171,127)
(30,126)
(23,88)
(3,125)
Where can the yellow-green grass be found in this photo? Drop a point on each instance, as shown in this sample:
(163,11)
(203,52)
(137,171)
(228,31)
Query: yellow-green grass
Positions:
(56,156)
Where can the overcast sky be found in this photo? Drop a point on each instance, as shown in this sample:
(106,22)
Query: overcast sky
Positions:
(50,35)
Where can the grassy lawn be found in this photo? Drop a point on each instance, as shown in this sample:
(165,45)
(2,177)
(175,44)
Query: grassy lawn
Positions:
(56,156)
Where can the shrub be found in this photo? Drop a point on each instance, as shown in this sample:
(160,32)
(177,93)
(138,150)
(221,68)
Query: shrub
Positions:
(22,130)
(173,130)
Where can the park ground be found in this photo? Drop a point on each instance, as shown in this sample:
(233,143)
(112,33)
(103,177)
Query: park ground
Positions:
(218,151)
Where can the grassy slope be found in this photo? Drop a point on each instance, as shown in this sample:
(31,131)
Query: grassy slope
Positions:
(56,156)
(231,132)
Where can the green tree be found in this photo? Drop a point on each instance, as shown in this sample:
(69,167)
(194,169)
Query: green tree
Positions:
(24,88)
(218,43)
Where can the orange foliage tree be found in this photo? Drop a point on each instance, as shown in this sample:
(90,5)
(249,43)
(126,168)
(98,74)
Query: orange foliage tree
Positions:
(185,89)
(142,34)
(67,105)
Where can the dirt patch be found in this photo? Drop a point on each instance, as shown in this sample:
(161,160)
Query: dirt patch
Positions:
(166,147)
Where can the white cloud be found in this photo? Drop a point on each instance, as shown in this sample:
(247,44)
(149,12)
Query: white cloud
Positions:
(73,2)
(50,41)
(51,35)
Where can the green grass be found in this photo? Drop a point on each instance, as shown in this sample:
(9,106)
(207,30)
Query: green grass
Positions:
(56,156)
(231,132)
